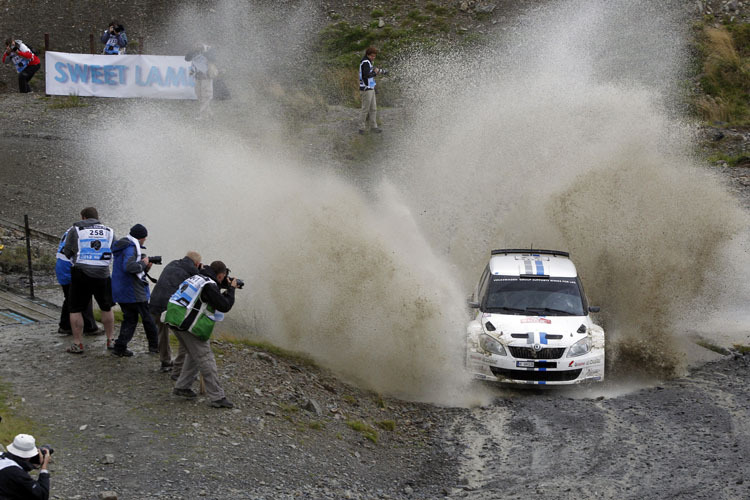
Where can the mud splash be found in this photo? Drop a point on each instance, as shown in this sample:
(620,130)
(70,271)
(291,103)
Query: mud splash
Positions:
(570,139)
(562,138)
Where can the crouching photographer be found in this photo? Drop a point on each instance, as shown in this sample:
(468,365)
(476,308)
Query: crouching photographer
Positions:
(22,456)
(191,313)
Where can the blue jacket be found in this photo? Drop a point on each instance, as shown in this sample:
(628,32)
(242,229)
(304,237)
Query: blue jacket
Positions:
(63,264)
(127,286)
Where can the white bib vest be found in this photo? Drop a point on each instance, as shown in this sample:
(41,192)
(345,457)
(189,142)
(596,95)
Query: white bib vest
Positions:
(94,245)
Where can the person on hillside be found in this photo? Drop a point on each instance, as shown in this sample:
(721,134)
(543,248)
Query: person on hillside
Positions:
(26,62)
(367,72)
(114,39)
(203,69)
(89,247)
(15,464)
(192,312)
(170,279)
(131,291)
(62,272)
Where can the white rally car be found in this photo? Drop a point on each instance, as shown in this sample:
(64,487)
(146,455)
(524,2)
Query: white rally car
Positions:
(532,324)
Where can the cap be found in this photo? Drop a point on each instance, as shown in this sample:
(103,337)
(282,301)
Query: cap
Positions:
(138,231)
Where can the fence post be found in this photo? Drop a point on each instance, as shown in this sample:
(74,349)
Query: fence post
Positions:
(28,253)
(91,42)
(46,42)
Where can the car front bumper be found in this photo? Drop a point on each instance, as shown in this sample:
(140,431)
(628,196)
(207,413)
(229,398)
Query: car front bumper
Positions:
(563,371)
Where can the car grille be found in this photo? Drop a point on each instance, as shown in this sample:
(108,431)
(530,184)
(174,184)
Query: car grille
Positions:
(530,353)
(540,376)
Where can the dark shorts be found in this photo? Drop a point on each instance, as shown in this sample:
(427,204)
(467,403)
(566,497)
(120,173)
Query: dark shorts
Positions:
(83,287)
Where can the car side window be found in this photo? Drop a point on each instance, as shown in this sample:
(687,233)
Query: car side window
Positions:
(483,282)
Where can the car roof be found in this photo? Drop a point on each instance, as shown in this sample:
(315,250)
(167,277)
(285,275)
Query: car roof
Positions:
(519,262)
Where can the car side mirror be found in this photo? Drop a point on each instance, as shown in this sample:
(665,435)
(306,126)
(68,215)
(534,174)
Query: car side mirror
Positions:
(594,309)
(473,304)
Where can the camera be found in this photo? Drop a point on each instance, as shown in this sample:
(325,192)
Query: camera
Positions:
(383,71)
(229,279)
(156,259)
(46,450)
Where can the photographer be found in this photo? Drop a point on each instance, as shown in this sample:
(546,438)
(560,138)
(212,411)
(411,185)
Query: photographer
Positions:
(130,290)
(25,61)
(15,464)
(192,312)
(114,39)
(170,279)
(203,69)
(367,72)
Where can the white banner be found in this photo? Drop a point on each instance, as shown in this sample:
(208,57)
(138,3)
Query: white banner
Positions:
(165,77)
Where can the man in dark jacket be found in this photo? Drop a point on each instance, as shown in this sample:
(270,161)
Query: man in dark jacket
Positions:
(130,290)
(15,481)
(191,313)
(367,72)
(170,278)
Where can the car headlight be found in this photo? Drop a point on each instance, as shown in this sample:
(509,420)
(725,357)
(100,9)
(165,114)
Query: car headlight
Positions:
(491,345)
(580,348)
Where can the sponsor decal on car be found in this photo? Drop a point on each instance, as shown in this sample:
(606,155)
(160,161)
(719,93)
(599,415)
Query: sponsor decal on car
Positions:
(536,320)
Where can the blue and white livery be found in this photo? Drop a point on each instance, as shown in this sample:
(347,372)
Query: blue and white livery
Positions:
(532,324)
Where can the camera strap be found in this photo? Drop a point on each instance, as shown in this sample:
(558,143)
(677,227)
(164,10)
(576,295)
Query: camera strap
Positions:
(152,280)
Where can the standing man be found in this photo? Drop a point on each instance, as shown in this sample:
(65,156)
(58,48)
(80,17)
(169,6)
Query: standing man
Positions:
(192,312)
(89,246)
(114,39)
(203,69)
(130,290)
(25,61)
(367,72)
(62,271)
(15,464)
(170,279)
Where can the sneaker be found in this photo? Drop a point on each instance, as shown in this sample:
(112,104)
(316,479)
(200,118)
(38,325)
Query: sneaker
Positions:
(63,331)
(185,393)
(153,350)
(98,331)
(75,349)
(377,130)
(110,344)
(127,353)
(222,403)
(166,366)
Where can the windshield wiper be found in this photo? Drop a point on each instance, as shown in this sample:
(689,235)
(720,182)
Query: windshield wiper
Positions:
(507,309)
(548,310)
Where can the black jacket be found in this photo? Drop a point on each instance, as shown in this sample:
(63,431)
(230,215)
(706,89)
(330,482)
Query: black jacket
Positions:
(213,296)
(170,279)
(17,484)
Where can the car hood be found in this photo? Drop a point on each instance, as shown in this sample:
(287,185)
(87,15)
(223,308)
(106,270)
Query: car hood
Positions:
(513,329)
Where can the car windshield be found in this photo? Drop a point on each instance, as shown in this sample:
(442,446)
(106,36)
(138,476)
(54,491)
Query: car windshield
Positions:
(533,296)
